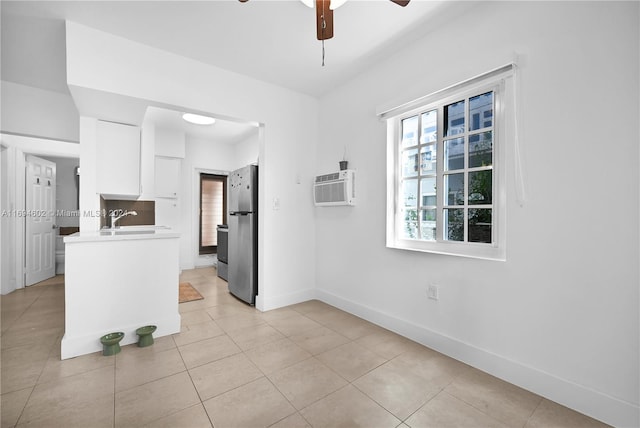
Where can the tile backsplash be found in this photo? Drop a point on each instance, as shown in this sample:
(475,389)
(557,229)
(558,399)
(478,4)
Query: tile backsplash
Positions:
(146,212)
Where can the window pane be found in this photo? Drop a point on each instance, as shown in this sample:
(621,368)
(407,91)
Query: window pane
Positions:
(481,111)
(454,119)
(454,183)
(480,189)
(454,154)
(480,225)
(410,163)
(211,212)
(410,224)
(454,224)
(428,191)
(428,225)
(429,126)
(410,131)
(480,150)
(410,193)
(428,159)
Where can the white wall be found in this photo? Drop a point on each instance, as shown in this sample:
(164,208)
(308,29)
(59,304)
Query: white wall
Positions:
(201,156)
(108,64)
(37,112)
(246,151)
(66,191)
(560,316)
(7,264)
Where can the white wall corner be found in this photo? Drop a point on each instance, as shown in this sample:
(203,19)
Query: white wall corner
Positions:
(282,300)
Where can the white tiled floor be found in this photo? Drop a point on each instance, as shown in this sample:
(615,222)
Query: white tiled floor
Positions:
(307,365)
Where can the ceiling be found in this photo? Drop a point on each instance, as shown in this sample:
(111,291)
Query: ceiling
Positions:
(273,41)
(222,131)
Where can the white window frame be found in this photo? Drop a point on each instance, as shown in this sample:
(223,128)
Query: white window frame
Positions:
(493,81)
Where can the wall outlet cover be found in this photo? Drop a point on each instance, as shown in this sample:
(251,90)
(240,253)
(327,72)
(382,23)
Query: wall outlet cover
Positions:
(432,292)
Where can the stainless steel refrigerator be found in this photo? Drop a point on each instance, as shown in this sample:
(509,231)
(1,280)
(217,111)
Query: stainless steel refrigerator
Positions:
(243,233)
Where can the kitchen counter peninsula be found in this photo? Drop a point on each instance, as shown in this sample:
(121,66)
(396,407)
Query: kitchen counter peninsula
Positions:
(117,281)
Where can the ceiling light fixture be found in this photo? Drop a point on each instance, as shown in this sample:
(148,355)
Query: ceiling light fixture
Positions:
(324,16)
(198,119)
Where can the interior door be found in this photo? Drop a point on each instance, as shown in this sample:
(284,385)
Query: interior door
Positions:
(40,218)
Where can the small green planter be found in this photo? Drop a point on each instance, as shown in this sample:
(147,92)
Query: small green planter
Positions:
(146,335)
(111,343)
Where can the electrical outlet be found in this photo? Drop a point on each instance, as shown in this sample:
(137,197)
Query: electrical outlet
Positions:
(432,292)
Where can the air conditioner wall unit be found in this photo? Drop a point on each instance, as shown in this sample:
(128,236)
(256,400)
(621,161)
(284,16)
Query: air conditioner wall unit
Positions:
(338,188)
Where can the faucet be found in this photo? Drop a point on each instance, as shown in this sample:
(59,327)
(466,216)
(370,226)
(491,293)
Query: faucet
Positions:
(115,218)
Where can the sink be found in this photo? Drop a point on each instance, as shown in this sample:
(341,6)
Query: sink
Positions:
(138,229)
(126,232)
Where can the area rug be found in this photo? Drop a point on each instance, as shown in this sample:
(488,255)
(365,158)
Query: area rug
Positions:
(188,293)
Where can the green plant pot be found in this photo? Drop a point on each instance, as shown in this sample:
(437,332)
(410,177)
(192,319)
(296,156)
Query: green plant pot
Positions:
(111,343)
(146,335)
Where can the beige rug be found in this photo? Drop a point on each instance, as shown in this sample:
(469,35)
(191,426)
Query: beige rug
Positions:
(188,293)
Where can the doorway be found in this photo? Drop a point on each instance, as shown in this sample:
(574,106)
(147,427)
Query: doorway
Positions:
(15,150)
(213,211)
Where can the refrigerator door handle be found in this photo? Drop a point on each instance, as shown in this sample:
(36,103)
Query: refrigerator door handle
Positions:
(240,213)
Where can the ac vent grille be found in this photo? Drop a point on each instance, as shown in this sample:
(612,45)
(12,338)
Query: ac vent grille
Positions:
(327,177)
(335,189)
(330,192)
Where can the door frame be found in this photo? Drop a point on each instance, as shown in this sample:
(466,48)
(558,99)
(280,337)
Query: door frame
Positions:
(214,177)
(198,260)
(18,147)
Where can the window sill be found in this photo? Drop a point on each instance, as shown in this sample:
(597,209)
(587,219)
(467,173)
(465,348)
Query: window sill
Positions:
(474,251)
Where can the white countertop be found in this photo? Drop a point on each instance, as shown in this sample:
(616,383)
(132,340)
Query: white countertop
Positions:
(124,233)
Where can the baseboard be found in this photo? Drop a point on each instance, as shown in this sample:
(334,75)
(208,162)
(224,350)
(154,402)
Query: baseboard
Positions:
(595,404)
(205,261)
(275,302)
(73,346)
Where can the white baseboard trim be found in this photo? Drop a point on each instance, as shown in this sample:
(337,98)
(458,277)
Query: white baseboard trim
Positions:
(597,405)
(73,346)
(187,266)
(275,302)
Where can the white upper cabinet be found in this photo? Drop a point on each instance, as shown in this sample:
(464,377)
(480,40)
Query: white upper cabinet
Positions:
(118,160)
(167,181)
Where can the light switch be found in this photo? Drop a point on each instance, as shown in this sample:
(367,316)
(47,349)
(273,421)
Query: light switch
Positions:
(276,204)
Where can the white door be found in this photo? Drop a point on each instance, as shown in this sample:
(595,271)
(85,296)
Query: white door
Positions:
(40,218)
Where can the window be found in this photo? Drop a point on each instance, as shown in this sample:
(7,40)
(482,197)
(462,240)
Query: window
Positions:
(446,172)
(213,210)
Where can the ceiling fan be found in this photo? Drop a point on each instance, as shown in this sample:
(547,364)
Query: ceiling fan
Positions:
(324,14)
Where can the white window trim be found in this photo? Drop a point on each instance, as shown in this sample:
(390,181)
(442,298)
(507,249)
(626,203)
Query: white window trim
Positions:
(494,80)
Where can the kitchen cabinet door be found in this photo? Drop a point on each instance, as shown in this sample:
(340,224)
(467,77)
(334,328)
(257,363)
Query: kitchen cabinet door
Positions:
(167,177)
(117,159)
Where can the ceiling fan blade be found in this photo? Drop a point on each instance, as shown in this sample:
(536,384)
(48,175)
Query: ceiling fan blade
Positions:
(402,3)
(324,19)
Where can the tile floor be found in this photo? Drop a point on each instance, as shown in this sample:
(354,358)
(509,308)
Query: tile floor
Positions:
(307,365)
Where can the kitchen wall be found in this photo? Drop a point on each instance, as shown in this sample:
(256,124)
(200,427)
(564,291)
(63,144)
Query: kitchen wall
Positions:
(246,150)
(213,157)
(205,156)
(100,64)
(145,212)
(560,316)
